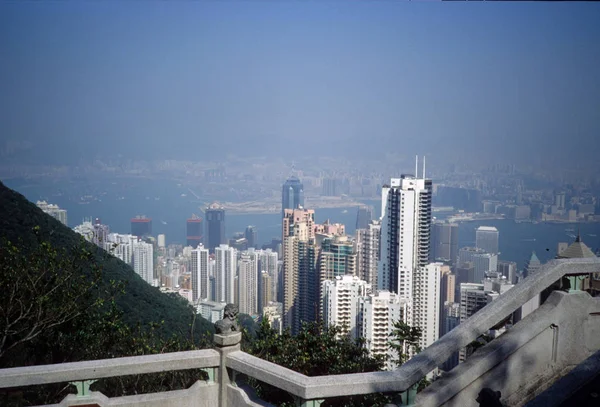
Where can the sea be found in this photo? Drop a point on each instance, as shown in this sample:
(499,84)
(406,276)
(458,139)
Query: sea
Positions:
(169,203)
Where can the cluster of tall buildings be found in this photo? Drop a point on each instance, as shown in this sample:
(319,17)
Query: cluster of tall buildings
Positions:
(131,249)
(366,282)
(248,278)
(403,266)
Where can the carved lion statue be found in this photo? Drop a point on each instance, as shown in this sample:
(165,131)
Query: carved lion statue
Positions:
(228,324)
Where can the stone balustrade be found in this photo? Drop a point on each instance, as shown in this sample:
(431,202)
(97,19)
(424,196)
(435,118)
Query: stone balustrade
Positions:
(522,363)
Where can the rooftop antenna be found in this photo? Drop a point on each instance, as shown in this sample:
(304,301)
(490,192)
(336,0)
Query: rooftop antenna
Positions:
(423,167)
(417,166)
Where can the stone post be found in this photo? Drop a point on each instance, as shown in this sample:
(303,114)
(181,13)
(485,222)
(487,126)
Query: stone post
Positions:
(227,339)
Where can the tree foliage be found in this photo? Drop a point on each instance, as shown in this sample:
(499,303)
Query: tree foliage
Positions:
(42,290)
(314,351)
(404,341)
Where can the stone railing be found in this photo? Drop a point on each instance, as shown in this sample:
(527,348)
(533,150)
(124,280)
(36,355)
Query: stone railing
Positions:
(520,364)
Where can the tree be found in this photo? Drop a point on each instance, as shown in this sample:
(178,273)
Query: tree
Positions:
(315,351)
(42,289)
(404,341)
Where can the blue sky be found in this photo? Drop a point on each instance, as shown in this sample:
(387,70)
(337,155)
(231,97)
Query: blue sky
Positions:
(202,79)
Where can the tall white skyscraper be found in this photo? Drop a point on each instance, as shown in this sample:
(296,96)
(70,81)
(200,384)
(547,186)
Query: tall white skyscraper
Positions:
(486,238)
(248,283)
(225,268)
(143,261)
(377,315)
(199,270)
(367,247)
(340,302)
(405,245)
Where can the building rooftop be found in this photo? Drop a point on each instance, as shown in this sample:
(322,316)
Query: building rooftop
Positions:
(487,229)
(576,250)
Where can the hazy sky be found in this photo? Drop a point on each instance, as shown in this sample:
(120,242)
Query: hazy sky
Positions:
(193,79)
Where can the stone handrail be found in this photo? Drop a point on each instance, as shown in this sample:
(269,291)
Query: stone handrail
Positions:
(97,369)
(316,387)
(419,366)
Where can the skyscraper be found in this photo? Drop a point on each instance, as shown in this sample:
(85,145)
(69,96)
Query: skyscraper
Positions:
(466,254)
(225,270)
(484,263)
(509,270)
(486,238)
(336,257)
(265,284)
(194,231)
(143,261)
(199,271)
(405,228)
(300,285)
(364,217)
(405,240)
(292,195)
(248,283)
(367,247)
(215,226)
(426,303)
(405,245)
(444,242)
(251,236)
(141,226)
(268,262)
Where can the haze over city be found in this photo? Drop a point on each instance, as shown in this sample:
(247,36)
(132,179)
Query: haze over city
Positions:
(200,80)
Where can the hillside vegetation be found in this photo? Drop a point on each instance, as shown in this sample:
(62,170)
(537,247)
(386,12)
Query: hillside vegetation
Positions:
(74,301)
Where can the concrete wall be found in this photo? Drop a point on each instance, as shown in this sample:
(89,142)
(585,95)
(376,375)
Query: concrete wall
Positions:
(527,359)
(201,394)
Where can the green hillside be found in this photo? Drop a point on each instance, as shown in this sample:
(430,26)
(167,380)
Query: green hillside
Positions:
(138,307)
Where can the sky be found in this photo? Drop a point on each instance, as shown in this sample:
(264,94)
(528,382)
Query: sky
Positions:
(199,80)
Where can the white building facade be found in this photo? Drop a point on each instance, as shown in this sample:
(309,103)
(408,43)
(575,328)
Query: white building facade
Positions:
(340,302)
(199,273)
(377,315)
(405,245)
(143,261)
(248,283)
(225,270)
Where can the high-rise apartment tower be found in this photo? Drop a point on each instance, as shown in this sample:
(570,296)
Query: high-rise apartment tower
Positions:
(292,195)
(215,226)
